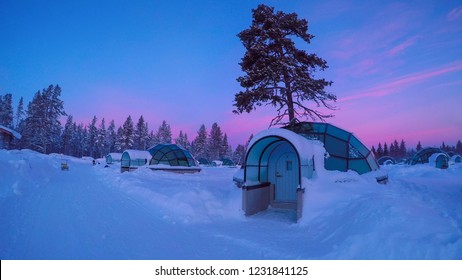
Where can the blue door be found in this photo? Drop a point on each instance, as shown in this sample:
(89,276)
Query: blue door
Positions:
(287,178)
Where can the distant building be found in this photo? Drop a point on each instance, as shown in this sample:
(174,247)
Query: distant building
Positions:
(6,137)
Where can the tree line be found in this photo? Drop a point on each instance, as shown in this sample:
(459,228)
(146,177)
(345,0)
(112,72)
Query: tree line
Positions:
(400,151)
(42,131)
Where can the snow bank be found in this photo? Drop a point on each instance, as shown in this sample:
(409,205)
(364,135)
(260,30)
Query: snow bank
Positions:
(186,198)
(94,212)
(415,216)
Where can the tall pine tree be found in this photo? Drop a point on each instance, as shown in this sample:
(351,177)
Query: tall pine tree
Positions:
(141,136)
(112,137)
(164,134)
(199,144)
(127,141)
(276,72)
(182,141)
(215,143)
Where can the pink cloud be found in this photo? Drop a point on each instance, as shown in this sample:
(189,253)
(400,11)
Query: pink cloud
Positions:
(403,46)
(454,14)
(391,87)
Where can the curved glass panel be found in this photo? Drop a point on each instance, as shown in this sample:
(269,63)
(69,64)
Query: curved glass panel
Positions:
(171,154)
(347,151)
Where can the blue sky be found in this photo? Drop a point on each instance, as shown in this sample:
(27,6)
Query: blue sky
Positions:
(396,66)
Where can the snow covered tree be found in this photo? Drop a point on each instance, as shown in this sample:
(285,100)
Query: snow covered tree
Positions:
(127,141)
(20,114)
(119,146)
(215,143)
(102,140)
(92,137)
(34,134)
(199,144)
(277,73)
(55,110)
(239,154)
(67,136)
(419,146)
(402,149)
(83,145)
(386,152)
(394,149)
(141,134)
(112,137)
(379,151)
(226,150)
(459,147)
(6,110)
(164,134)
(182,141)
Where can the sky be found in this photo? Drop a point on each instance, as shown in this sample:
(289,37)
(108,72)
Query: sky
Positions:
(396,66)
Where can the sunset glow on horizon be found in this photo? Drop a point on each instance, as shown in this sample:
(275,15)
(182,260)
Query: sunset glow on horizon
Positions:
(396,67)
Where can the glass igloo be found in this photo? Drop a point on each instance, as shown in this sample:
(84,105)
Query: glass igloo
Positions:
(345,150)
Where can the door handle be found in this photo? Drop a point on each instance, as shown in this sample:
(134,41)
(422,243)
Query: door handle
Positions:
(278,174)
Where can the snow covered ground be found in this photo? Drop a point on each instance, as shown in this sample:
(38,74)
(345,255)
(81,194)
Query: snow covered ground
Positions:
(92,212)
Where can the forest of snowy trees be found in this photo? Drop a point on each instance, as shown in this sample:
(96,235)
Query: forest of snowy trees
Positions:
(41,130)
(400,151)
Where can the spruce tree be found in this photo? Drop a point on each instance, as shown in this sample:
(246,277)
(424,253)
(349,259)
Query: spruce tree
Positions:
(199,144)
(402,149)
(119,144)
(93,138)
(419,146)
(84,141)
(182,141)
(127,141)
(226,150)
(141,134)
(34,134)
(6,110)
(239,155)
(459,147)
(112,137)
(215,143)
(385,150)
(379,151)
(67,136)
(276,72)
(102,140)
(164,134)
(20,114)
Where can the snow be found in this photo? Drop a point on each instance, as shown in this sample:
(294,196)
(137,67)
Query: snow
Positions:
(92,212)
(136,154)
(115,156)
(12,132)
(300,143)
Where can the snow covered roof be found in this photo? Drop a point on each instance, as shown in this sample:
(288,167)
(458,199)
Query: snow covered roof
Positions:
(136,154)
(423,155)
(439,160)
(115,156)
(305,148)
(9,131)
(456,158)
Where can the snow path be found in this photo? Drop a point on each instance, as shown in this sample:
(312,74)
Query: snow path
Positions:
(91,212)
